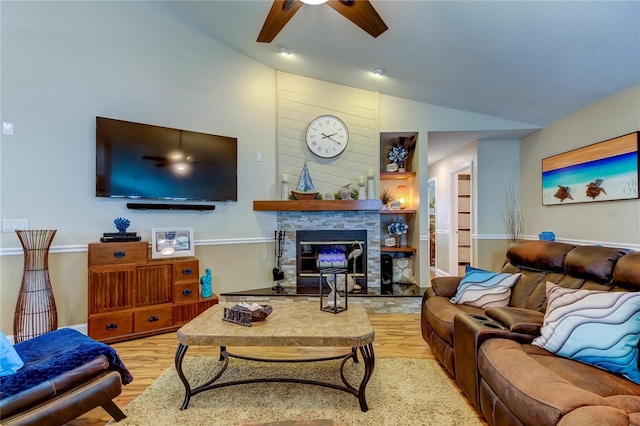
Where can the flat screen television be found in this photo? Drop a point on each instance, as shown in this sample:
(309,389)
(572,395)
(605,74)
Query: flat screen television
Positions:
(143,161)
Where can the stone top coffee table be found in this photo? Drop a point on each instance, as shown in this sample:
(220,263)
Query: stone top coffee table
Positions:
(290,324)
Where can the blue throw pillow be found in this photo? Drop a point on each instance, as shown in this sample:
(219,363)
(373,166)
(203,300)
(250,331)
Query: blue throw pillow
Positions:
(600,328)
(484,289)
(10,361)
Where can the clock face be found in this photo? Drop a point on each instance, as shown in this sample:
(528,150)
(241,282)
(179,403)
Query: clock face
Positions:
(327,136)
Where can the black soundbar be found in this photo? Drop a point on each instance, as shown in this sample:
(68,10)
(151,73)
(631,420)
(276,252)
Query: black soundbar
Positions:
(164,206)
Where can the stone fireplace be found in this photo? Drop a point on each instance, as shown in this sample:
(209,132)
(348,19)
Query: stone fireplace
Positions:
(359,226)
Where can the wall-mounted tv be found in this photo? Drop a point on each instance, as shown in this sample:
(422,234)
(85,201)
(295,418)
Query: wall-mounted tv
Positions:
(142,161)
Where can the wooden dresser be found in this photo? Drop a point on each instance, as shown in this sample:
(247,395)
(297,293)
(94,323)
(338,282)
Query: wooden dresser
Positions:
(132,296)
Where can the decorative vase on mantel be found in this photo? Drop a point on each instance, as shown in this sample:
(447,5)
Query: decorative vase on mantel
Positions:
(36,311)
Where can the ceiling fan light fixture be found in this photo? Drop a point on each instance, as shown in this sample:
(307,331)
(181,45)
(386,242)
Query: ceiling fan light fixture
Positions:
(313,2)
(283,50)
(378,72)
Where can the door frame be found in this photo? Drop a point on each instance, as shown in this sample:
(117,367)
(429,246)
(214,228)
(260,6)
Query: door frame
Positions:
(465,168)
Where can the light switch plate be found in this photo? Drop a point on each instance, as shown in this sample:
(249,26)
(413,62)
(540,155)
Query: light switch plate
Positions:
(11,225)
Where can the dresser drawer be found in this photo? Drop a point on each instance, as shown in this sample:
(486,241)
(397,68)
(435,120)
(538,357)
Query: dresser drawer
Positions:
(186,270)
(110,325)
(188,292)
(118,253)
(152,318)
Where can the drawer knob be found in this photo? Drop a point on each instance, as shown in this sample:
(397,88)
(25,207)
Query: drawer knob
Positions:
(186,271)
(186,292)
(153,318)
(111,326)
(119,254)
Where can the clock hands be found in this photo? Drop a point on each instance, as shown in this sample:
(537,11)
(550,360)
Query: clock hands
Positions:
(329,137)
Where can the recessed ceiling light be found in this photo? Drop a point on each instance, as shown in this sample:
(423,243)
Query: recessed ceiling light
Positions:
(378,71)
(283,50)
(314,2)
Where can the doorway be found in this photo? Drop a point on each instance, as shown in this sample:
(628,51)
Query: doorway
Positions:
(431,195)
(462,223)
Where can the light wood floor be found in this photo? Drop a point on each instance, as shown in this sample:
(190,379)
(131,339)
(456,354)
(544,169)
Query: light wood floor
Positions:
(397,336)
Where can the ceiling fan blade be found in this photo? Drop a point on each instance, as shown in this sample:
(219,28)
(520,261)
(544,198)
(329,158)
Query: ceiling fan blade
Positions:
(362,13)
(280,13)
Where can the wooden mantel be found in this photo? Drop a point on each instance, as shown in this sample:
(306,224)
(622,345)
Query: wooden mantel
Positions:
(316,205)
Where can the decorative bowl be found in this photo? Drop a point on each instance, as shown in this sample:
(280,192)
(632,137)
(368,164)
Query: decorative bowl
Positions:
(304,195)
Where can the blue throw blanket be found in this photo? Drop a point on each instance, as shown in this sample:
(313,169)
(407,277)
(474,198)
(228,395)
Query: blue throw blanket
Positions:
(49,355)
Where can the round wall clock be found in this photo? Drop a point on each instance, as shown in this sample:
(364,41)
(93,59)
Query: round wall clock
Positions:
(327,136)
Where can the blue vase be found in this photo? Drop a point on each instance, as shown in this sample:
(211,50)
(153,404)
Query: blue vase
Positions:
(547,236)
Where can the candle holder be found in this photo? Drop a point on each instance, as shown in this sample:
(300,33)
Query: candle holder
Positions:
(370,188)
(362,195)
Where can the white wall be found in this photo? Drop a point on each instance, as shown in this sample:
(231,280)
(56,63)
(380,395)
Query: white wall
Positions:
(63,63)
(614,223)
(300,100)
(498,168)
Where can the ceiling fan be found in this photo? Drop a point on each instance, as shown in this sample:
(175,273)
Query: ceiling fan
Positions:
(360,12)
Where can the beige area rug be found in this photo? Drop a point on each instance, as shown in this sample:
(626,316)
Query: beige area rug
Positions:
(400,392)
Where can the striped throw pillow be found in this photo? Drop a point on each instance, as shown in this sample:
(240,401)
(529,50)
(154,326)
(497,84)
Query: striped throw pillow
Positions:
(484,289)
(599,328)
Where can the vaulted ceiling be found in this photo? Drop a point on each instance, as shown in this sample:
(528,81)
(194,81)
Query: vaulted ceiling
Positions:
(529,61)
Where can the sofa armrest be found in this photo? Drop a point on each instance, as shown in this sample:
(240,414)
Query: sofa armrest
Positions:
(517,320)
(470,332)
(445,286)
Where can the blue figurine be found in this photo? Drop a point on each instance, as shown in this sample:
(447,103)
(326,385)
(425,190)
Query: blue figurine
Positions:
(205,280)
(122,224)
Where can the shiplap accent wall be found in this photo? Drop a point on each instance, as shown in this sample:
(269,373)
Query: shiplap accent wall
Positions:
(299,101)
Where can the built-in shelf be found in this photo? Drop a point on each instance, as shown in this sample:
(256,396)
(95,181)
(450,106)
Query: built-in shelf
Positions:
(407,249)
(397,175)
(317,205)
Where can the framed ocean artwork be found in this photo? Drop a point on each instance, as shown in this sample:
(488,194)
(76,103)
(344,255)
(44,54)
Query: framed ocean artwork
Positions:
(604,171)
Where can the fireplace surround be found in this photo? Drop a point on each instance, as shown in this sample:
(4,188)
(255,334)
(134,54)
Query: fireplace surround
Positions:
(365,222)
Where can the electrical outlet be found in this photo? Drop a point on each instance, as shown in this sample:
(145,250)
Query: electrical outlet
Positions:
(11,225)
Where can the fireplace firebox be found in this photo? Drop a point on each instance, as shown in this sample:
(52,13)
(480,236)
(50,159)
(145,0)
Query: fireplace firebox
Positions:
(321,249)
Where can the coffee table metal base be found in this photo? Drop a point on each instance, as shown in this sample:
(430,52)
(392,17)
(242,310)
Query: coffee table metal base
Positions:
(368,359)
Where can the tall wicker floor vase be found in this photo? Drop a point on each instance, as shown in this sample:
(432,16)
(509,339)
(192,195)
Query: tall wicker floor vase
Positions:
(35,312)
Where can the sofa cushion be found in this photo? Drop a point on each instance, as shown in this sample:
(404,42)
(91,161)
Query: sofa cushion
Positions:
(593,263)
(545,256)
(627,272)
(594,327)
(534,393)
(484,289)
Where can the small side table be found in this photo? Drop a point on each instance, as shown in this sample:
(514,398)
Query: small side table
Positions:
(333,302)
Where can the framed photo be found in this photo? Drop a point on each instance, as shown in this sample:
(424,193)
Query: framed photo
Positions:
(604,171)
(171,242)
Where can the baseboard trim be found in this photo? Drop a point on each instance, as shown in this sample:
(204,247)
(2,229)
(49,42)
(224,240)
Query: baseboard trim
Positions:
(82,328)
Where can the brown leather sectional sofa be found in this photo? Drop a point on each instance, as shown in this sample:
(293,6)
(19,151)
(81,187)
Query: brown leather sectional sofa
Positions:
(512,382)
